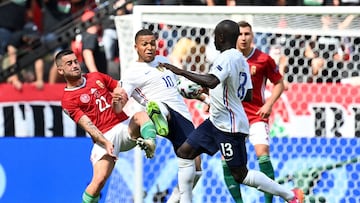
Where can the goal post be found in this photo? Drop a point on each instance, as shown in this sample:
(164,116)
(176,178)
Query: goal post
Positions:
(291,28)
(330,33)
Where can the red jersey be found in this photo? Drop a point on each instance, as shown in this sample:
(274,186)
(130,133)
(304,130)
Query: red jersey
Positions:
(93,98)
(262,67)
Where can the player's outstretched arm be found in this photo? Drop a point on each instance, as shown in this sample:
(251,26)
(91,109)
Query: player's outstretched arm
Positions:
(205,80)
(96,135)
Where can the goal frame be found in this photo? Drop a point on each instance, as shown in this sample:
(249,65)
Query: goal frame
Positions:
(189,16)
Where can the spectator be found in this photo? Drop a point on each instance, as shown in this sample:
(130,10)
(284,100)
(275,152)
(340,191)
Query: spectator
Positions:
(12,19)
(86,47)
(110,40)
(54,14)
(25,40)
(93,55)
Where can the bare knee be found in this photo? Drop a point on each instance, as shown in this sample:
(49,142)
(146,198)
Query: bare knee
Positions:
(140,118)
(186,151)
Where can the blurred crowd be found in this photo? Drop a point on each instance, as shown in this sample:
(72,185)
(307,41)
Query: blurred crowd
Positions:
(26,23)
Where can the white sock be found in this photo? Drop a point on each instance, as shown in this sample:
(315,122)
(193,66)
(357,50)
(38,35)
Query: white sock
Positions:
(163,109)
(263,183)
(175,195)
(186,175)
(197,177)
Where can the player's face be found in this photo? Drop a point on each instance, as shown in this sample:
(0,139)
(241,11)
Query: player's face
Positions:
(245,39)
(70,67)
(146,48)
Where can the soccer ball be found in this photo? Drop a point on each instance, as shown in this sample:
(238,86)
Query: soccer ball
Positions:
(188,89)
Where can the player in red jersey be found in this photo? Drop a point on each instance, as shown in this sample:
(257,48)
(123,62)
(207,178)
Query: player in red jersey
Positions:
(95,101)
(262,68)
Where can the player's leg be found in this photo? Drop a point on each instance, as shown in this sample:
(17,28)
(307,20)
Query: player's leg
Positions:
(186,173)
(260,139)
(142,129)
(198,170)
(175,195)
(101,172)
(160,121)
(102,163)
(201,140)
(237,165)
(232,185)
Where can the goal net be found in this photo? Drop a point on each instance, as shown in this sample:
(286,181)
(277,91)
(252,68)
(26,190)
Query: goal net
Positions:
(317,48)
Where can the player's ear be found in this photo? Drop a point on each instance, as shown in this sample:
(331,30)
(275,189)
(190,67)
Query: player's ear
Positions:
(60,71)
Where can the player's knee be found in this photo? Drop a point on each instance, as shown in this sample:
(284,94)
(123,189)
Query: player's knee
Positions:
(185,151)
(140,117)
(239,173)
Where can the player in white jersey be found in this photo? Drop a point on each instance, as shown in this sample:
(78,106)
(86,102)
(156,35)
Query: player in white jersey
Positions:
(227,127)
(146,82)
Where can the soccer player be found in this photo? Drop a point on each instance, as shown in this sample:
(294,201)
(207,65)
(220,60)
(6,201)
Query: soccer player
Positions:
(145,81)
(88,100)
(227,127)
(262,68)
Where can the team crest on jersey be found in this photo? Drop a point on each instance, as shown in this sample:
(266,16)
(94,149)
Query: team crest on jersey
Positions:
(160,68)
(100,84)
(253,70)
(84,98)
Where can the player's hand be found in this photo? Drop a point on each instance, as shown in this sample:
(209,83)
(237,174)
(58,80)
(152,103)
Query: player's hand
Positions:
(120,96)
(109,146)
(170,67)
(264,111)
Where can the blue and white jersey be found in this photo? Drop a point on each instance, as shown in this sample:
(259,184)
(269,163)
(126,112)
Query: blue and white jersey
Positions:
(148,82)
(226,110)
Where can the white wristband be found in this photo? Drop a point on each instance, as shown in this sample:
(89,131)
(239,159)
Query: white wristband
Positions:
(207,100)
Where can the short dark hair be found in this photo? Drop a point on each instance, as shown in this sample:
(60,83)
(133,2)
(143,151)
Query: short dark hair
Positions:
(143,32)
(244,24)
(60,54)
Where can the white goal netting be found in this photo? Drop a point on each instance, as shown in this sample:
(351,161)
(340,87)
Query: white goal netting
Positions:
(315,124)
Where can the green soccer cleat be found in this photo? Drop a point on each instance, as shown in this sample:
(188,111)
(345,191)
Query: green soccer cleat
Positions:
(161,124)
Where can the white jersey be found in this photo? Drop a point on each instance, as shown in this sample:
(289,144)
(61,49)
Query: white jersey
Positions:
(148,82)
(226,111)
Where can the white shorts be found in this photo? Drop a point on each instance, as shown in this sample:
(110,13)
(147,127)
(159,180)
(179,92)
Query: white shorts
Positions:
(119,136)
(259,133)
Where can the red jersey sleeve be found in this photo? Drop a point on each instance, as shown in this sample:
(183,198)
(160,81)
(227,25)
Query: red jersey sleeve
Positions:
(272,70)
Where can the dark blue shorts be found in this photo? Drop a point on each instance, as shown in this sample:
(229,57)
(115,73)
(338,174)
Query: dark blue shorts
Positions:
(179,128)
(208,139)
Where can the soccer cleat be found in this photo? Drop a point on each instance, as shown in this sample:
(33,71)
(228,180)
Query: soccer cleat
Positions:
(298,196)
(160,122)
(148,145)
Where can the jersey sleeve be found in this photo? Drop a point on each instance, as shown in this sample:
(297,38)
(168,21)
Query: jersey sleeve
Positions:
(272,71)
(71,109)
(129,82)
(220,68)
